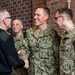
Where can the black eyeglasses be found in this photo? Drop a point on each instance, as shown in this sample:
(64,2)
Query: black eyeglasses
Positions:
(8,18)
(57,17)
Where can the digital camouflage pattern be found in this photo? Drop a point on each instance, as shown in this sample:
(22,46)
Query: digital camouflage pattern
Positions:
(19,46)
(41,48)
(67,53)
(19,42)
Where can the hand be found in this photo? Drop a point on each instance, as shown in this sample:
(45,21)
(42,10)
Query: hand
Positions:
(26,63)
(19,52)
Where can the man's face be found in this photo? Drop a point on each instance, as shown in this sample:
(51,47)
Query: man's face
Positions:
(40,17)
(7,20)
(17,26)
(59,20)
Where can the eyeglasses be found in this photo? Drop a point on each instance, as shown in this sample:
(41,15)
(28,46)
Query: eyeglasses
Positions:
(8,18)
(57,17)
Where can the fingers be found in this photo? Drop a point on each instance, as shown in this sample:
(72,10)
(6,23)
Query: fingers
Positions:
(19,52)
(26,63)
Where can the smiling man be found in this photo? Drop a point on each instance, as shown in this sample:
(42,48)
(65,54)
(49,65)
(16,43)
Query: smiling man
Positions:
(17,28)
(40,45)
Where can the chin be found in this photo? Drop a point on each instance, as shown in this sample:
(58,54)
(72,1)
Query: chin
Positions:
(9,27)
(16,31)
(36,25)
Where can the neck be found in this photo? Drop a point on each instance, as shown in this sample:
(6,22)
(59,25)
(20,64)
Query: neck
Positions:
(69,26)
(18,34)
(42,27)
(3,27)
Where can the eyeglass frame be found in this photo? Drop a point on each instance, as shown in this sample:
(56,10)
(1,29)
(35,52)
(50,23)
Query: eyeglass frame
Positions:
(8,17)
(57,17)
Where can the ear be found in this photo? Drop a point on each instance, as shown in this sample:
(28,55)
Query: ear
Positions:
(21,26)
(46,17)
(4,21)
(63,18)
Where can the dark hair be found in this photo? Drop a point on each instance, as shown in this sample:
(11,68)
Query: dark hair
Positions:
(46,10)
(66,11)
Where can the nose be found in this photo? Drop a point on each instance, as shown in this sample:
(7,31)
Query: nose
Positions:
(35,16)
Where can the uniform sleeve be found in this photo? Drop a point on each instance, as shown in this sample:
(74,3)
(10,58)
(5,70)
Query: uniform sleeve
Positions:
(25,53)
(11,53)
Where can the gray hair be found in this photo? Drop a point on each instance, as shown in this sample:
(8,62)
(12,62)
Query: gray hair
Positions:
(2,15)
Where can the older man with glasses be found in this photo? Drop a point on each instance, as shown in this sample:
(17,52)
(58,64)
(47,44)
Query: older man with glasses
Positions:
(8,55)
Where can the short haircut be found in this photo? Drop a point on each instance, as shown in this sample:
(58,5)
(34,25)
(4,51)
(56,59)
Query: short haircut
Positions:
(18,20)
(66,11)
(2,13)
(46,10)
